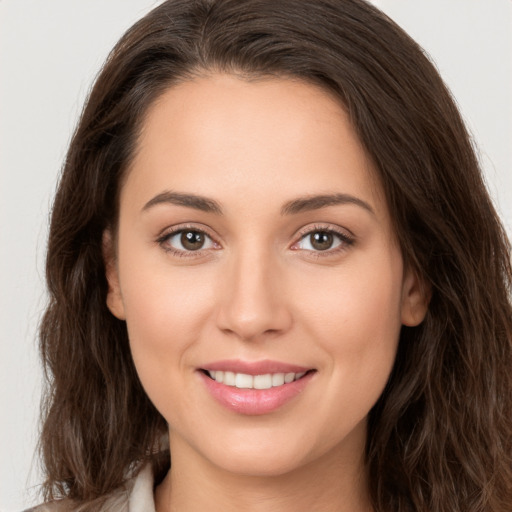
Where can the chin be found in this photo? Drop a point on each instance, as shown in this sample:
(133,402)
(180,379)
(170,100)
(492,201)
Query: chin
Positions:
(264,456)
(262,464)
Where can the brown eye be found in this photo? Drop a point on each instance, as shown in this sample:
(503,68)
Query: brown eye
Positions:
(192,240)
(185,241)
(321,240)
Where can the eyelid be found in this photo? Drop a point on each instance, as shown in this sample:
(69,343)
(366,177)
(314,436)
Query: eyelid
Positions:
(171,231)
(347,238)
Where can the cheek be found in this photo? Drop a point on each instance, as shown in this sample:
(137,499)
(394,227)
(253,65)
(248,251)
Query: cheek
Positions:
(165,313)
(158,295)
(355,317)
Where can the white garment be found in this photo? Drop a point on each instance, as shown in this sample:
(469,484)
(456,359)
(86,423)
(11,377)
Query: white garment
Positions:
(135,496)
(141,497)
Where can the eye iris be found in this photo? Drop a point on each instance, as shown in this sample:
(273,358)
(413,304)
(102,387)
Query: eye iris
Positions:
(322,240)
(192,240)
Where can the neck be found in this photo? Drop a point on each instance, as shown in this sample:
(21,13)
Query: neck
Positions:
(332,483)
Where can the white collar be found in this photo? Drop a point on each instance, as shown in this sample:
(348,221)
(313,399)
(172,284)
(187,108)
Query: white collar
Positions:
(141,497)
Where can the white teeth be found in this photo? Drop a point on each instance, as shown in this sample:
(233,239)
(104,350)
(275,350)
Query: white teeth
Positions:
(278,379)
(289,377)
(229,378)
(244,381)
(263,381)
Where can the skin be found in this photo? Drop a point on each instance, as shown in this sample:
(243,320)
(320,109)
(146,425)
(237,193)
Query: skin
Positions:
(258,289)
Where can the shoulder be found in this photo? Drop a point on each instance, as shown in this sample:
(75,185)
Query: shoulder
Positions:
(135,496)
(54,506)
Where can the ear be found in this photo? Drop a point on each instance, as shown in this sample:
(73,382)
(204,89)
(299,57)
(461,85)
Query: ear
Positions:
(416,295)
(114,298)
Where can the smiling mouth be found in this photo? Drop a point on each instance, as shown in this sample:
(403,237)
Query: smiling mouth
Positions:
(246,381)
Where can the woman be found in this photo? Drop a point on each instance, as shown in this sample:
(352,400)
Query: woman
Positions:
(272,256)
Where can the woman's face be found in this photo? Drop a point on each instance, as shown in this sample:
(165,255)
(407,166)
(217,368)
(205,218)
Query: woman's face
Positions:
(255,247)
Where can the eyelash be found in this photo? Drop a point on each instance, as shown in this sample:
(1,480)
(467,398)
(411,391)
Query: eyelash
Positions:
(345,239)
(179,230)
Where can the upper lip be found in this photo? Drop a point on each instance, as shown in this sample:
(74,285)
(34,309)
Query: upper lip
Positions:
(254,367)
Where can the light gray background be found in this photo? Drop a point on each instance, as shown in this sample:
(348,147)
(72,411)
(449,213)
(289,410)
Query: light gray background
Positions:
(50,52)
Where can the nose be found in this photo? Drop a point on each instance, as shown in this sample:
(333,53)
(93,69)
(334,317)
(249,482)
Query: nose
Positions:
(254,302)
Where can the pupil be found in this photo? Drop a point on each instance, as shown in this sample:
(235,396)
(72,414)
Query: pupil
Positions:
(192,240)
(321,240)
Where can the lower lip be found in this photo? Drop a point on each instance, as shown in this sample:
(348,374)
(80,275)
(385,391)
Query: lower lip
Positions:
(255,401)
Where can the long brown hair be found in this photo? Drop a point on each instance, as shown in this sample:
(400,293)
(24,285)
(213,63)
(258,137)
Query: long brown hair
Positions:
(440,437)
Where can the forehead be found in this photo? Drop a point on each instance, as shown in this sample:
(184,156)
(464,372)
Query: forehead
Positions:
(224,132)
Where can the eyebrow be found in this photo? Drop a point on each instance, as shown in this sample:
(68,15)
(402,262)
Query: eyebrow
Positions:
(189,200)
(308,203)
(301,204)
